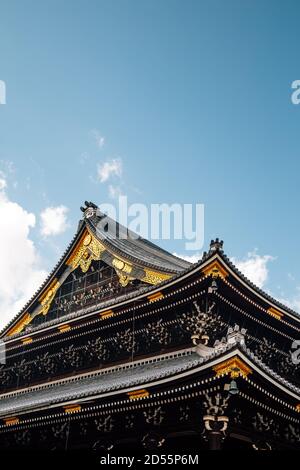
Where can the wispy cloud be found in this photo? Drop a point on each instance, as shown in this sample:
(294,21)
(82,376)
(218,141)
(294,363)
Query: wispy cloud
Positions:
(3,183)
(99,138)
(109,169)
(254,267)
(190,258)
(293,301)
(54,220)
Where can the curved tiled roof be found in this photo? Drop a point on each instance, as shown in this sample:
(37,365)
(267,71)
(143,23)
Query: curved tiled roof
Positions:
(135,248)
(124,377)
(141,251)
(257,289)
(116,379)
(48,279)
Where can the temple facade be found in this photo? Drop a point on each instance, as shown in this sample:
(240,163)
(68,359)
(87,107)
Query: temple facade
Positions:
(128,348)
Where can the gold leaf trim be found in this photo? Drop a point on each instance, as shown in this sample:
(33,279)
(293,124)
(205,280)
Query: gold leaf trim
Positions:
(72,409)
(106,314)
(27,340)
(155,297)
(275,313)
(215,269)
(235,367)
(87,250)
(136,394)
(154,277)
(121,265)
(20,325)
(11,421)
(63,328)
(48,296)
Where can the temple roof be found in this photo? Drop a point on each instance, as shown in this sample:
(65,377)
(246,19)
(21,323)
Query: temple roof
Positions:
(128,244)
(154,266)
(146,261)
(145,373)
(106,381)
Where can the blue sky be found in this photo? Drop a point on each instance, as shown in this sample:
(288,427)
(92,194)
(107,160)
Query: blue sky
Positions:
(192,98)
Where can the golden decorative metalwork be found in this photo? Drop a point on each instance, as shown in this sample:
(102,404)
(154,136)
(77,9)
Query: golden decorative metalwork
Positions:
(106,314)
(215,269)
(87,250)
(64,328)
(20,325)
(11,421)
(136,394)
(275,313)
(120,265)
(298,408)
(72,409)
(235,367)
(123,269)
(27,340)
(153,277)
(47,297)
(155,297)
(124,279)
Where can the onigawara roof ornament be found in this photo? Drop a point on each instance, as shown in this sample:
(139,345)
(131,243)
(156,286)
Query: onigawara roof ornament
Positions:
(216,245)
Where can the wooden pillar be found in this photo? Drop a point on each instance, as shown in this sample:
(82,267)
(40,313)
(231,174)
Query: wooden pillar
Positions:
(215,427)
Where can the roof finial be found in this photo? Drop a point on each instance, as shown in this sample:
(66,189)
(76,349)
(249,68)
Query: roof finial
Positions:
(89,210)
(216,245)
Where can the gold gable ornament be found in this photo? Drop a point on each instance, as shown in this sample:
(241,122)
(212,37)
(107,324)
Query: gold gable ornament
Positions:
(25,320)
(88,249)
(154,277)
(235,367)
(47,297)
(215,269)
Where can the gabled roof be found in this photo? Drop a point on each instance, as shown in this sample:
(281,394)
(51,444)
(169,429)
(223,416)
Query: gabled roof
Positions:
(216,252)
(118,239)
(150,263)
(146,374)
(130,255)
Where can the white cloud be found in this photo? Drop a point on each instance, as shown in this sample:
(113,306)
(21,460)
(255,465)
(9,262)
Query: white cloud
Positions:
(293,303)
(100,140)
(191,258)
(2,183)
(20,269)
(255,267)
(108,169)
(54,220)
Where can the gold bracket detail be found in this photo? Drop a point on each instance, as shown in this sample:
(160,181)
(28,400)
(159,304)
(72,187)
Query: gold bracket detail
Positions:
(87,250)
(11,421)
(215,269)
(26,340)
(155,297)
(275,313)
(47,297)
(153,277)
(72,409)
(20,325)
(106,314)
(136,394)
(235,367)
(63,328)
